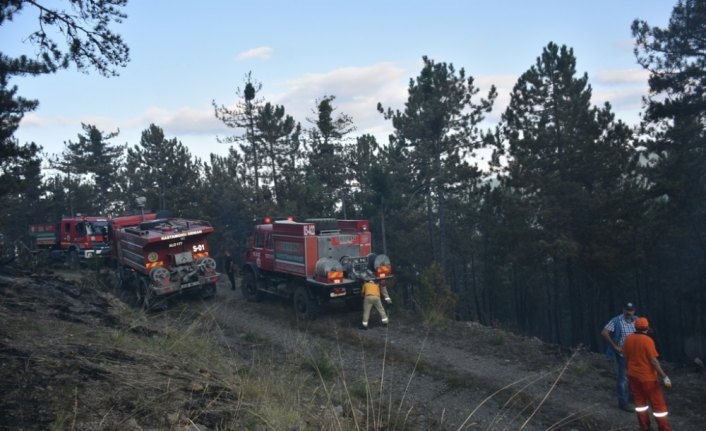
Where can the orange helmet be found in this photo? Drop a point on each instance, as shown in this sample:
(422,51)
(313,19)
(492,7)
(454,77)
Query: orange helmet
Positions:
(641,323)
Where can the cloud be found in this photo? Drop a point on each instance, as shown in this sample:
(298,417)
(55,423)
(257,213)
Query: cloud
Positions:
(37,122)
(621,77)
(185,120)
(32,120)
(357,90)
(624,89)
(260,53)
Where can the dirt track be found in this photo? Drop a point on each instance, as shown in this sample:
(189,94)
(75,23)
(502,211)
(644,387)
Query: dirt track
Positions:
(421,378)
(459,367)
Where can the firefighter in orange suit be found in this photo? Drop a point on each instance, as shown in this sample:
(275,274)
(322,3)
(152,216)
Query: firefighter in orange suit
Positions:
(644,371)
(371,297)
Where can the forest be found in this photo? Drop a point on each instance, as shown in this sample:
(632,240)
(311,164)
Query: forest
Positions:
(576,213)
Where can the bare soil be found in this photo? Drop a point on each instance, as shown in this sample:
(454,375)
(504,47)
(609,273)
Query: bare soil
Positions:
(75,354)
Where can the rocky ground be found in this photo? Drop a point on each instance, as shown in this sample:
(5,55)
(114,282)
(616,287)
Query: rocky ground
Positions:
(75,354)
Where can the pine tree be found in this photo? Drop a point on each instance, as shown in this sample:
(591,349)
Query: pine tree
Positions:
(327,174)
(439,129)
(93,156)
(566,160)
(674,275)
(244,116)
(280,147)
(163,171)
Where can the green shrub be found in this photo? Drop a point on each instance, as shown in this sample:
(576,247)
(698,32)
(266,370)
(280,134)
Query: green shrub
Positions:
(434,298)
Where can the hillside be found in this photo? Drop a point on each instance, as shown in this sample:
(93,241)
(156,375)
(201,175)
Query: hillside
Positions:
(75,355)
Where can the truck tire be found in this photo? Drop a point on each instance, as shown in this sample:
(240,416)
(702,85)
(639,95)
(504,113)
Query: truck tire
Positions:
(143,294)
(120,281)
(43,258)
(354,303)
(72,259)
(305,306)
(249,288)
(208,291)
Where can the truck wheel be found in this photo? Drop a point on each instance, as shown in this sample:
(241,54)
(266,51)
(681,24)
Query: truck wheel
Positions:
(120,282)
(73,259)
(354,304)
(304,305)
(43,258)
(249,288)
(208,291)
(143,294)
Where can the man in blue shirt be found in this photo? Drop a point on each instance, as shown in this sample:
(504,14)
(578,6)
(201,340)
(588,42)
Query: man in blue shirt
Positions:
(614,333)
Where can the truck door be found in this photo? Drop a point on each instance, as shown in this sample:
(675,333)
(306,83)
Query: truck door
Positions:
(66,232)
(268,252)
(80,233)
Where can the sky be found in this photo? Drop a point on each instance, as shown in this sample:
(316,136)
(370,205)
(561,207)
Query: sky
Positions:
(185,55)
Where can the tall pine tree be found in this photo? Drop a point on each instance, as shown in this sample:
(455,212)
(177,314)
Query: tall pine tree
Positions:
(565,160)
(439,128)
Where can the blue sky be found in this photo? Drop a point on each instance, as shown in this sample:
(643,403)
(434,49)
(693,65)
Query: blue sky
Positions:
(186,54)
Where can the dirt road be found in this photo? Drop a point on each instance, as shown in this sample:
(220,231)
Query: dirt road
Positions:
(447,376)
(74,355)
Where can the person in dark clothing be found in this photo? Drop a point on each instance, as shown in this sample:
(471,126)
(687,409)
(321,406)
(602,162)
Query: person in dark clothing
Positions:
(229,267)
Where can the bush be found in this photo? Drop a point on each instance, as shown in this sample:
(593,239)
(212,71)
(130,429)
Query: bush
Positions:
(434,298)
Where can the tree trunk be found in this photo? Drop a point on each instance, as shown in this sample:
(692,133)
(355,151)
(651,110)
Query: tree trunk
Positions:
(430,228)
(556,306)
(382,222)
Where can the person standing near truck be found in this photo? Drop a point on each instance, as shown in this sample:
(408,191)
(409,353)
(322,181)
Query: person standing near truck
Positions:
(229,268)
(371,298)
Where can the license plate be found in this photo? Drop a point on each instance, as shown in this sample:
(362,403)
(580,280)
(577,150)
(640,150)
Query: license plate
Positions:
(182,258)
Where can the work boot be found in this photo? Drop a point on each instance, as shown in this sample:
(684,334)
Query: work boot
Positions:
(626,408)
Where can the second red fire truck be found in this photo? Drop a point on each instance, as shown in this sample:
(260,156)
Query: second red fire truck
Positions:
(162,257)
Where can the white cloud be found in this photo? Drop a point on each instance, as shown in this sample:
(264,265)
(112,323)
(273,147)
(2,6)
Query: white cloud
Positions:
(622,77)
(624,89)
(185,120)
(260,53)
(37,122)
(357,90)
(32,120)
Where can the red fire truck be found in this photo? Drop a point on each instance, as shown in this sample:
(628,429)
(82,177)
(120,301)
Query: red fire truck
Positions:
(312,262)
(162,257)
(72,238)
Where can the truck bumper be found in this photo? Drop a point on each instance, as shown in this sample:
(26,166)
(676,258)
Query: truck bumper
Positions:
(173,288)
(96,252)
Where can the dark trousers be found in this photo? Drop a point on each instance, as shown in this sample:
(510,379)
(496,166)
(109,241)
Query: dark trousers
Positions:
(231,277)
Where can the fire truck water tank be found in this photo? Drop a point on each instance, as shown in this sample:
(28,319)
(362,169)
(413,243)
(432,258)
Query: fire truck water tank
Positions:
(326,265)
(377,260)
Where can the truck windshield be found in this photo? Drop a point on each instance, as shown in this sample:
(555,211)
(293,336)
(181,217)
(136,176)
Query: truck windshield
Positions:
(97,228)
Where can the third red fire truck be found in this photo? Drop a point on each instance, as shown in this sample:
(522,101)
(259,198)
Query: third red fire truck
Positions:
(73,238)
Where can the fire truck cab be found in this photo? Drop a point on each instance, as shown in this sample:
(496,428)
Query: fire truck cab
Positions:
(76,238)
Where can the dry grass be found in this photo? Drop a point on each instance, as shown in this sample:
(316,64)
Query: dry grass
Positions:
(184,367)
